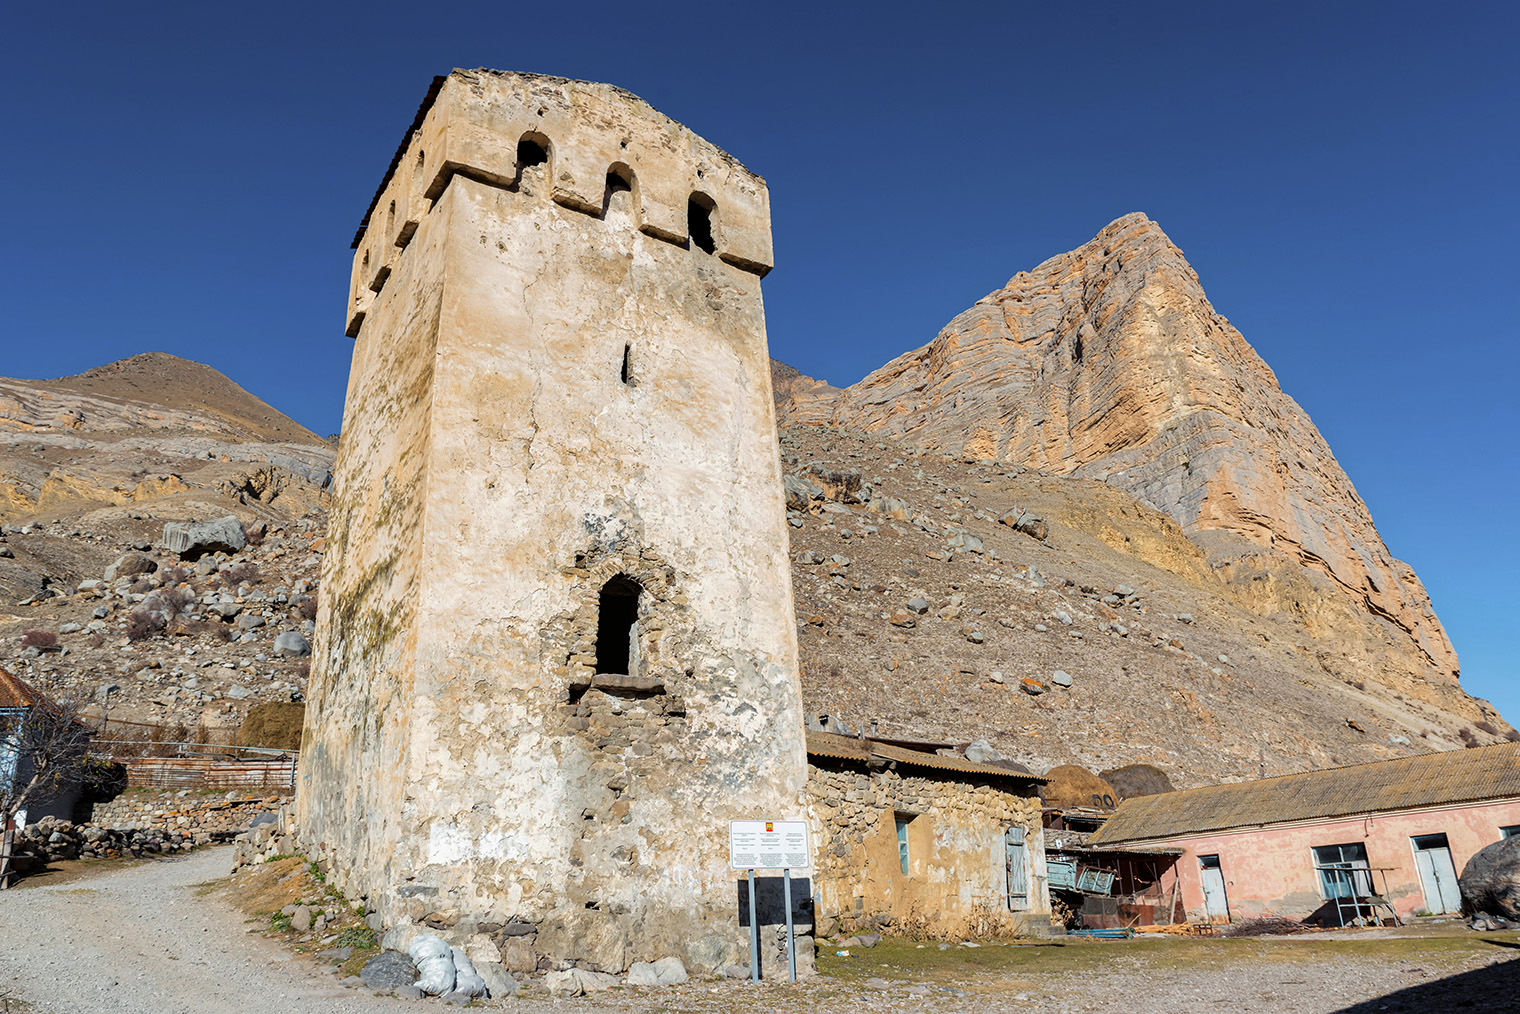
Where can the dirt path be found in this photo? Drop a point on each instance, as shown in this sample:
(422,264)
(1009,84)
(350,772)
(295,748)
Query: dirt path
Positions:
(139,940)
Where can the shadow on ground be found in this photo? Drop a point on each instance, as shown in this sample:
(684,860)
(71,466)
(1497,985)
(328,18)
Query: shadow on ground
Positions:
(1496,987)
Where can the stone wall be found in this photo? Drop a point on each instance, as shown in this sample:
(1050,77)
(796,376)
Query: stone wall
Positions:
(181,812)
(551,397)
(956,885)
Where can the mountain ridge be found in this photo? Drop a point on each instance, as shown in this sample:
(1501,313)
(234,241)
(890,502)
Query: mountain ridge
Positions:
(1108,362)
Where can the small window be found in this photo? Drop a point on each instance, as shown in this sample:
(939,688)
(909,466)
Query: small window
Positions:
(532,159)
(699,222)
(627,365)
(617,617)
(619,189)
(1509,831)
(902,841)
(530,152)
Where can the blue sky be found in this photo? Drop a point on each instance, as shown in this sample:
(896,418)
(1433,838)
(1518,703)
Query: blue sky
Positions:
(186,178)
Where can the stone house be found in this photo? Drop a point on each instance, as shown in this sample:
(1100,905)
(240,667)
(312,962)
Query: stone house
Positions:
(555,651)
(922,843)
(1362,842)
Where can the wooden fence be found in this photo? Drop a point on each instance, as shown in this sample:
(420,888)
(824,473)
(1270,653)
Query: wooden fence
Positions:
(209,772)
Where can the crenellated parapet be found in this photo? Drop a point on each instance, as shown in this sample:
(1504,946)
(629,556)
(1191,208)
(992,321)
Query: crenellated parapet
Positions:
(590,142)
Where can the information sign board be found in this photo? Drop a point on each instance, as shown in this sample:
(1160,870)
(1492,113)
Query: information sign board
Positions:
(768,845)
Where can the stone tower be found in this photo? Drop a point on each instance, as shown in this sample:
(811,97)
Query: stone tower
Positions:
(556,649)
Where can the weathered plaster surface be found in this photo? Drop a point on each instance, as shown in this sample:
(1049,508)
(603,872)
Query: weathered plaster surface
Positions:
(509,790)
(956,882)
(1270,871)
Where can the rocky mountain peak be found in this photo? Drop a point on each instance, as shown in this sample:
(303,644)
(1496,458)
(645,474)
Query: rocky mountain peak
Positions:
(1109,363)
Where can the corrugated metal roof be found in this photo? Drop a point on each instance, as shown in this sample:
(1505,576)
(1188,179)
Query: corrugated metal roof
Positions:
(828,744)
(17,693)
(1435,779)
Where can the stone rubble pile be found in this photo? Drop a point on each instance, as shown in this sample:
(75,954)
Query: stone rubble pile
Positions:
(52,840)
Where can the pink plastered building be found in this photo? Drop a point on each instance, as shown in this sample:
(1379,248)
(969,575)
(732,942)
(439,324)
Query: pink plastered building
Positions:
(1356,843)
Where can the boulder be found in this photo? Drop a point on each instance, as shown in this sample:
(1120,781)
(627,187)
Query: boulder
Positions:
(834,483)
(1490,881)
(669,971)
(499,981)
(129,564)
(1138,780)
(292,644)
(965,542)
(981,752)
(194,539)
(800,493)
(577,982)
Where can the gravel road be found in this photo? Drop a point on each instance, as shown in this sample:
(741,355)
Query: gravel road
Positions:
(139,940)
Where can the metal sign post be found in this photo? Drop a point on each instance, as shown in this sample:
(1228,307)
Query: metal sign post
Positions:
(754,933)
(769,845)
(791,937)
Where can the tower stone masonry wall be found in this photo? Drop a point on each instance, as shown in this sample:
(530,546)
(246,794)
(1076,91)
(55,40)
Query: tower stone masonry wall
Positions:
(560,380)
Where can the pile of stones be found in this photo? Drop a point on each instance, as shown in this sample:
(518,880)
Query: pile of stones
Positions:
(271,834)
(52,839)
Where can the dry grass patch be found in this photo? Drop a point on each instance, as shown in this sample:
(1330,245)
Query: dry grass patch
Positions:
(265,890)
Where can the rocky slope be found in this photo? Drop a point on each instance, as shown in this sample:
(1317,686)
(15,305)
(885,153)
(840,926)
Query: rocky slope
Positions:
(924,613)
(1109,363)
(91,468)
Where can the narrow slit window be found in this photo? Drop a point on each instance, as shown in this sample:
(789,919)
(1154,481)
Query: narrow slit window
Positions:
(627,374)
(699,222)
(902,841)
(616,623)
(619,183)
(532,161)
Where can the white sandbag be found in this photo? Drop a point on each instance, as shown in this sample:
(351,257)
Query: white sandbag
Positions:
(435,964)
(466,980)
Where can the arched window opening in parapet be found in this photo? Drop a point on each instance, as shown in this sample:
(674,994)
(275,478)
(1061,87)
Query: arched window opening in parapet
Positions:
(533,151)
(390,219)
(421,157)
(621,192)
(616,626)
(700,212)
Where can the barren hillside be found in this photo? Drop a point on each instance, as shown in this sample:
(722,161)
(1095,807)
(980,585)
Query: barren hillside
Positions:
(1112,640)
